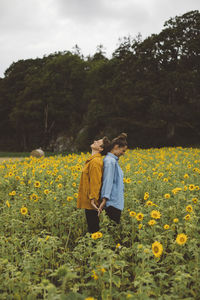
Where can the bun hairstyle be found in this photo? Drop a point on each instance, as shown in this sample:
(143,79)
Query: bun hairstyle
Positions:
(120,140)
(105,146)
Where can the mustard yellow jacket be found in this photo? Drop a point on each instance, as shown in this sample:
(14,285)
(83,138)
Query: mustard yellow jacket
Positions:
(90,183)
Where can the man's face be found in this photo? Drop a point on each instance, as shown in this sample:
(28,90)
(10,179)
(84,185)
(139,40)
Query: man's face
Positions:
(97,145)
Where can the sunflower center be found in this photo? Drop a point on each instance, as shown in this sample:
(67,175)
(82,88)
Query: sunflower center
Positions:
(182,239)
(156,249)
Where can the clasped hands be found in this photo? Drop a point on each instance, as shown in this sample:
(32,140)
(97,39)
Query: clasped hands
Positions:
(100,207)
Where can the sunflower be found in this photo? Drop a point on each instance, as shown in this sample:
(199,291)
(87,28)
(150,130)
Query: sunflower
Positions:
(140,226)
(69,198)
(152,222)
(118,246)
(166,226)
(181,239)
(157,249)
(94,275)
(60,185)
(76,195)
(73,184)
(7,203)
(139,216)
(149,203)
(96,235)
(24,210)
(176,220)
(37,184)
(191,187)
(155,214)
(195,200)
(186,176)
(187,217)
(128,180)
(132,213)
(189,208)
(46,192)
(167,196)
(34,197)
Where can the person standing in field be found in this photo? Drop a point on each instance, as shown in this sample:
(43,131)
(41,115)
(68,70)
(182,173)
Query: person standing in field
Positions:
(90,184)
(112,192)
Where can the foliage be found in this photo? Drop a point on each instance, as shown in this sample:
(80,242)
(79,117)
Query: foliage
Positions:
(46,252)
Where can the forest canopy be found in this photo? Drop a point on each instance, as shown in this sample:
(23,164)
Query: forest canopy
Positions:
(149,88)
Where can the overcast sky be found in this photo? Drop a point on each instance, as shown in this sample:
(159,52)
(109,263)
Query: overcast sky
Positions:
(33,28)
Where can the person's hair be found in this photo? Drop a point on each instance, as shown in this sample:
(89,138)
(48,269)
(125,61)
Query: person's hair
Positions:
(120,140)
(105,146)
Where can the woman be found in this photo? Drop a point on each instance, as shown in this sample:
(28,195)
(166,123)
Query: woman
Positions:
(112,192)
(90,184)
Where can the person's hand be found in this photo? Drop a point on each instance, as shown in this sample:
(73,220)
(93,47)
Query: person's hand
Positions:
(103,203)
(94,205)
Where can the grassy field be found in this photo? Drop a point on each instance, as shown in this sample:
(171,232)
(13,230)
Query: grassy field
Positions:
(46,252)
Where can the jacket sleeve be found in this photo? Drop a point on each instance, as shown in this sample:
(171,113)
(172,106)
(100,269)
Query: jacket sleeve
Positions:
(96,171)
(108,178)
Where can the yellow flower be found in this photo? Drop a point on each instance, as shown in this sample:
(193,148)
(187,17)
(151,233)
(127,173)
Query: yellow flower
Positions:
(60,185)
(187,217)
(34,197)
(118,246)
(76,195)
(181,239)
(196,187)
(176,220)
(90,298)
(149,203)
(47,237)
(73,184)
(166,226)
(191,187)
(157,249)
(186,176)
(155,214)
(128,180)
(94,275)
(189,208)
(13,193)
(96,235)
(46,192)
(152,222)
(165,179)
(167,196)
(7,203)
(37,184)
(195,200)
(69,198)
(132,213)
(24,210)
(139,216)
(140,226)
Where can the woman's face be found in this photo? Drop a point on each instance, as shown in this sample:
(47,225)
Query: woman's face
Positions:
(97,145)
(119,151)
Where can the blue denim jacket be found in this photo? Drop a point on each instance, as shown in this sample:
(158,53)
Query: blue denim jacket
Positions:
(113,185)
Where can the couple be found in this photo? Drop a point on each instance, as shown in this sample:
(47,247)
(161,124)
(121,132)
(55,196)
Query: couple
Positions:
(101,182)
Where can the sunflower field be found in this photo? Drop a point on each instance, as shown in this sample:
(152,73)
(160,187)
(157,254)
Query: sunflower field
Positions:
(46,252)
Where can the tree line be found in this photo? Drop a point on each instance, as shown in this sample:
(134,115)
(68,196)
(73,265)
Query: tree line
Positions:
(149,88)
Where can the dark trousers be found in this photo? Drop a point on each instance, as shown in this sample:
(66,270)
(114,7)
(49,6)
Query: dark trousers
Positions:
(92,220)
(113,213)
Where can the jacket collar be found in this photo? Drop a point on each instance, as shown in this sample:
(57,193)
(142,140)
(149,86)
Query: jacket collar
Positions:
(93,156)
(113,155)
